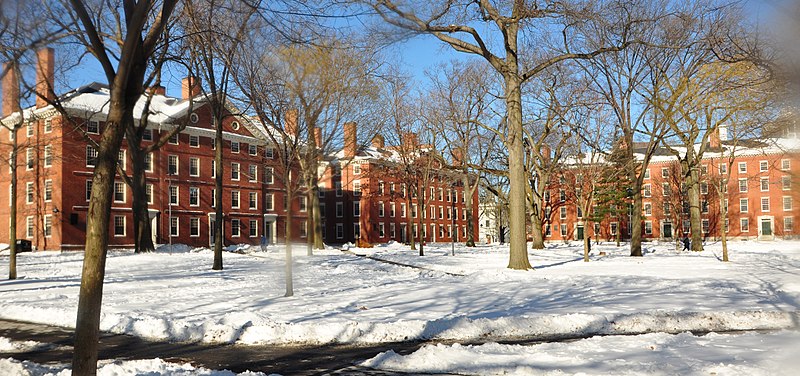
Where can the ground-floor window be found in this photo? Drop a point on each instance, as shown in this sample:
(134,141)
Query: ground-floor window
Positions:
(339,231)
(194,227)
(788,225)
(119,225)
(253,228)
(744,224)
(173,226)
(235,228)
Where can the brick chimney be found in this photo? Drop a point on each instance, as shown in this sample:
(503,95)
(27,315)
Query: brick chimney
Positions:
(378,141)
(714,140)
(10,90)
(45,76)
(157,90)
(318,136)
(290,122)
(350,139)
(409,141)
(190,87)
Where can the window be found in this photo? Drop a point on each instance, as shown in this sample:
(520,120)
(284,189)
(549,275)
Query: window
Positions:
(147,135)
(380,188)
(787,203)
(380,209)
(339,231)
(29,192)
(194,141)
(563,213)
(174,139)
(234,146)
(764,184)
(357,188)
(269,175)
(414,209)
(562,195)
(744,224)
(213,169)
(356,230)
(785,164)
(29,158)
(235,125)
(647,173)
(194,166)
(148,162)
(234,171)
(93,127)
(563,230)
(235,228)
(194,196)
(742,185)
(303,204)
(148,189)
(29,227)
(392,230)
(647,190)
(356,169)
(743,205)
(194,118)
(381,230)
(704,207)
(88,190)
(119,225)
(665,189)
(786,183)
(322,210)
(48,125)
(173,165)
(765,204)
(194,227)
(402,210)
(252,200)
(29,129)
(48,156)
(173,226)
(727,226)
(121,159)
(705,225)
(252,171)
(252,149)
(441,231)
(253,227)
(339,210)
(704,188)
(742,167)
(788,225)
(704,169)
(356,208)
(48,190)
(763,166)
(441,194)
(547,230)
(648,228)
(612,228)
(269,202)
(119,191)
(664,172)
(173,195)
(723,168)
(667,208)
(235,199)
(269,152)
(213,198)
(648,209)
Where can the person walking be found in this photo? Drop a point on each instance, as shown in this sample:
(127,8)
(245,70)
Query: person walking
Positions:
(686,243)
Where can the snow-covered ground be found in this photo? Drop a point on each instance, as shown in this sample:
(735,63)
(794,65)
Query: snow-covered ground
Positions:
(342,298)
(148,367)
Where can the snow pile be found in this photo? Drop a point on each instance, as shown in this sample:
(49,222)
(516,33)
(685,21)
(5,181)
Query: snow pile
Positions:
(751,354)
(149,367)
(8,345)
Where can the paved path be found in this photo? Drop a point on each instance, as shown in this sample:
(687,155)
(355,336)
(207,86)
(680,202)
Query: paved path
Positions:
(284,360)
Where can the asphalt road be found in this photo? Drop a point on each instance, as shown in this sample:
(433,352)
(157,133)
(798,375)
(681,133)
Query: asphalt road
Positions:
(284,360)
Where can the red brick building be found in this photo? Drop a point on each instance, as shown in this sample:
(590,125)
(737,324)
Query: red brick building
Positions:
(365,200)
(759,189)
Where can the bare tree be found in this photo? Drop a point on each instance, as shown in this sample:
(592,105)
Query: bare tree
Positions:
(127,34)
(523,28)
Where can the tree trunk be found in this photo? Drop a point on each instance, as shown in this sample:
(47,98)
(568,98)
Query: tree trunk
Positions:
(219,216)
(693,188)
(288,237)
(469,190)
(723,216)
(12,228)
(143,236)
(87,327)
(537,234)
(421,234)
(518,257)
(636,221)
(586,244)
(316,217)
(410,224)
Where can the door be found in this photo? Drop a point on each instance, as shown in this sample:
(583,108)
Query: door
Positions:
(666,230)
(211,222)
(268,231)
(766,227)
(580,233)
(154,228)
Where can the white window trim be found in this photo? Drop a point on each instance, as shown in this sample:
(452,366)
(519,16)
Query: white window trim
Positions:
(45,190)
(177,195)
(177,227)
(238,200)
(190,196)
(190,227)
(249,195)
(190,141)
(197,174)
(124,226)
